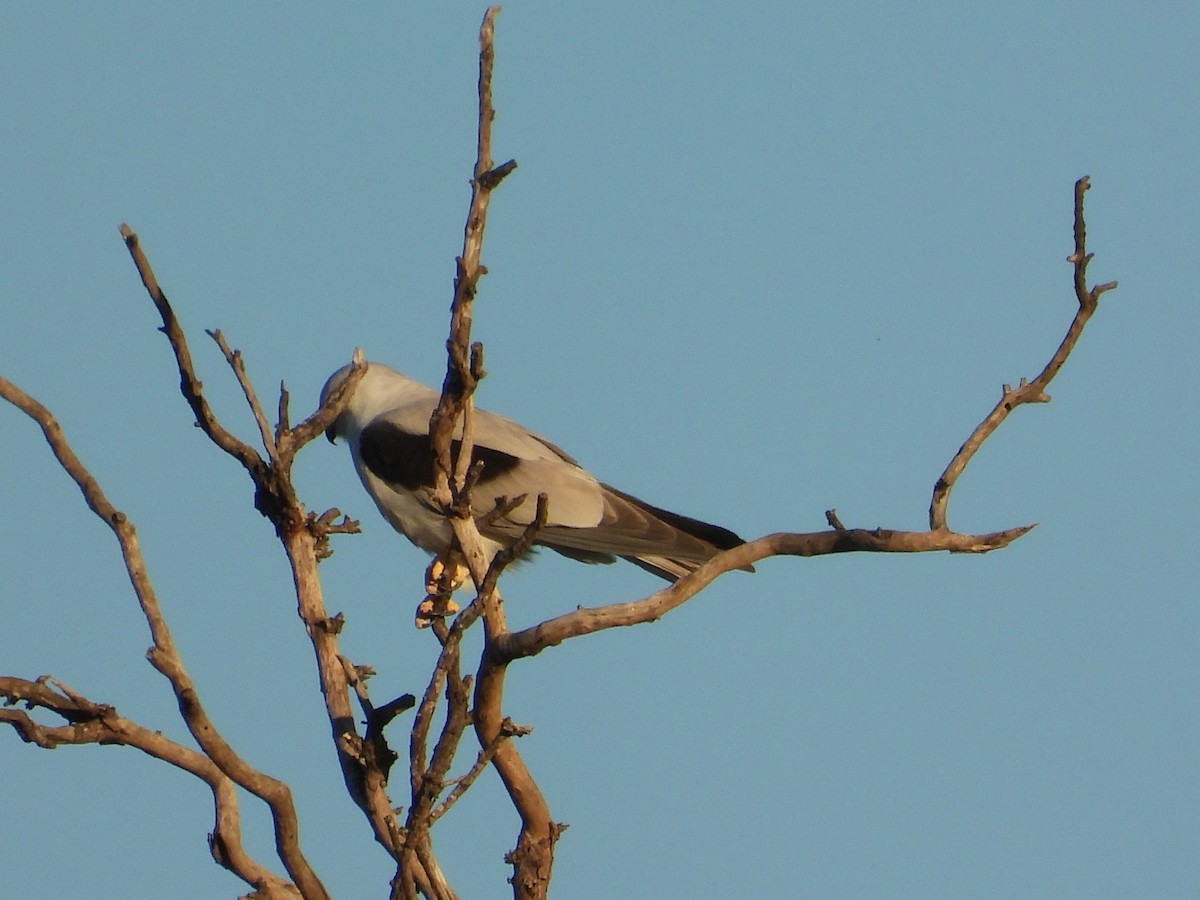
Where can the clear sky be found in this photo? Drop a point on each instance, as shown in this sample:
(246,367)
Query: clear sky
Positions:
(759,260)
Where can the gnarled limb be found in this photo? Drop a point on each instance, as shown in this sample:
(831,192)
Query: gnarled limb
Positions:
(533,857)
(365,757)
(96,723)
(164,655)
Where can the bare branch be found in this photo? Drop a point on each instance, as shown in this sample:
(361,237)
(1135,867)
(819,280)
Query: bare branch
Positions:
(1031,391)
(419,736)
(533,857)
(305,539)
(464,366)
(94,723)
(364,770)
(419,871)
(189,384)
(463,783)
(238,365)
(164,656)
(427,780)
(583,620)
(321,420)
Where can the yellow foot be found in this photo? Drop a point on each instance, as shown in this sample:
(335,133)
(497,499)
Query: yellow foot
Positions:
(434,607)
(445,576)
(442,578)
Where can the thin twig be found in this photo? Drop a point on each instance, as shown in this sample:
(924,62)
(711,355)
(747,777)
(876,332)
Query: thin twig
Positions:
(1027,391)
(516,550)
(320,421)
(189,384)
(461,373)
(282,424)
(238,365)
(463,783)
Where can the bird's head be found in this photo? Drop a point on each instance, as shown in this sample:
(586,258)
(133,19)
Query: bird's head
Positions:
(338,428)
(380,388)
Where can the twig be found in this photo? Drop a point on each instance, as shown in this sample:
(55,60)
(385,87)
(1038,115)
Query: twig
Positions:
(424,780)
(189,384)
(517,549)
(238,365)
(320,527)
(464,365)
(319,422)
(1027,391)
(463,783)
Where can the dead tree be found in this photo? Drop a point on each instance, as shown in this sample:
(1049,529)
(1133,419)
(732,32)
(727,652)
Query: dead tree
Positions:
(473,699)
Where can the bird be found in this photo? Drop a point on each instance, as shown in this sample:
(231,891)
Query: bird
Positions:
(386,425)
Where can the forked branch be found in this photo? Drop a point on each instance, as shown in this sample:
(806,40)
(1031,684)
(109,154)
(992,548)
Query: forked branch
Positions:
(533,856)
(95,723)
(365,757)
(581,621)
(164,656)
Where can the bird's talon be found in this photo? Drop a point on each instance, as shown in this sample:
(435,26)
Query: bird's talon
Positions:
(433,575)
(445,576)
(434,607)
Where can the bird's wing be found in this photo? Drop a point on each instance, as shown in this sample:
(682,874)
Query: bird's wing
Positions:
(629,528)
(586,520)
(396,449)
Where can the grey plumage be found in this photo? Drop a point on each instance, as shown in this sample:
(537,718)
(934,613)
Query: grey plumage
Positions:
(386,424)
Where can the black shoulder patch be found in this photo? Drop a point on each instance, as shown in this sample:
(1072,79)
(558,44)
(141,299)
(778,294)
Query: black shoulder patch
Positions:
(397,456)
(405,460)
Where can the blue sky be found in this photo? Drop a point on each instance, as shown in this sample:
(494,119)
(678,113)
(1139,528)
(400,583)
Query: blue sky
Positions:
(757,262)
